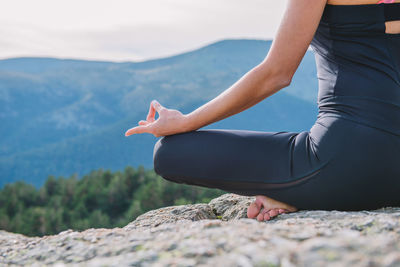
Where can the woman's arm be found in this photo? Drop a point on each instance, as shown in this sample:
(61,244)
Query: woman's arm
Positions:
(295,33)
(275,72)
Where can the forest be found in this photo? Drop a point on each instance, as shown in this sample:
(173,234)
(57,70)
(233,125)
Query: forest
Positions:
(100,199)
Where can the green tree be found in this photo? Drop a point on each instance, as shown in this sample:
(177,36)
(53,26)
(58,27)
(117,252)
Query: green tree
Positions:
(99,199)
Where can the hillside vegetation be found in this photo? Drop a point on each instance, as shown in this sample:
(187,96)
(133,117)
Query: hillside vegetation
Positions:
(101,199)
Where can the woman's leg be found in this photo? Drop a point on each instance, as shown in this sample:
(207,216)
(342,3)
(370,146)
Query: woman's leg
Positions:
(336,165)
(243,162)
(230,160)
(231,155)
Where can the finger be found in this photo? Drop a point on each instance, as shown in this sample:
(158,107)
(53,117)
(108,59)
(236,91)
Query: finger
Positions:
(154,106)
(157,106)
(152,113)
(142,122)
(137,130)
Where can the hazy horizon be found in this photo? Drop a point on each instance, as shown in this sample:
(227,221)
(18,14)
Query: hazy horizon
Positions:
(135,61)
(127,31)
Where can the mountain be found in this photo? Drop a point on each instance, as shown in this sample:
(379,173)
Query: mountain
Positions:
(64,117)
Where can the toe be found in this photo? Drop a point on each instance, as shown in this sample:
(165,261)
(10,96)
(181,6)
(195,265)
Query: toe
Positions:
(273,212)
(260,217)
(282,211)
(253,210)
(267,217)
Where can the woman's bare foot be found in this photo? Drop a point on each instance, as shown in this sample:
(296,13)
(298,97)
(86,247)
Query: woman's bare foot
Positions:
(271,208)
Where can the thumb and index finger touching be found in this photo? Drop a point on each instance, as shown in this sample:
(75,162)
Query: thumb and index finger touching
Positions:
(154,106)
(144,125)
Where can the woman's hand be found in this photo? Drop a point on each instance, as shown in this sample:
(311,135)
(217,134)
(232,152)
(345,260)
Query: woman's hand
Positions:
(170,121)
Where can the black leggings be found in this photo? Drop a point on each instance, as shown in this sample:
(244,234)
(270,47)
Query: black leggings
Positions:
(338,164)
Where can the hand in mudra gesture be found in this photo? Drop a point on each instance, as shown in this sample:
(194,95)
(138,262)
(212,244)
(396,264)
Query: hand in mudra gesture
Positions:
(169,121)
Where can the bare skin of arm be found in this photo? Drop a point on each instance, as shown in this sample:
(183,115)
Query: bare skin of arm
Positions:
(275,72)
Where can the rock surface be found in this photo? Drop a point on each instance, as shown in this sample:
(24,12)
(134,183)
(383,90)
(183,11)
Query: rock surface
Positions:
(219,234)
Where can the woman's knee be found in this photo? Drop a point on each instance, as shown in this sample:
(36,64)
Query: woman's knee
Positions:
(174,155)
(161,153)
(157,156)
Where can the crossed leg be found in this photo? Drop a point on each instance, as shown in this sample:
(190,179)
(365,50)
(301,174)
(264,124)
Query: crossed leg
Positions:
(227,159)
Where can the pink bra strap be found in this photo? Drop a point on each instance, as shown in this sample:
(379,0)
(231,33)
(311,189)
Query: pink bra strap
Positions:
(385,1)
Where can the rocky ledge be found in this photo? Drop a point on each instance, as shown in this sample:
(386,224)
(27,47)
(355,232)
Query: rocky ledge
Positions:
(219,234)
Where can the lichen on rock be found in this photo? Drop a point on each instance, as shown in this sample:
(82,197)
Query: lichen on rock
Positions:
(218,233)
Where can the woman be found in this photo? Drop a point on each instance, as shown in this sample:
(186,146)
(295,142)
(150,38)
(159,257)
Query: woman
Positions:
(348,160)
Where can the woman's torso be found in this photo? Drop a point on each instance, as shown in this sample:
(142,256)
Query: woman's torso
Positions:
(358,63)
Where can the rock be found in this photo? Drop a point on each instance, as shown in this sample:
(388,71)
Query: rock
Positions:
(219,234)
(231,206)
(191,212)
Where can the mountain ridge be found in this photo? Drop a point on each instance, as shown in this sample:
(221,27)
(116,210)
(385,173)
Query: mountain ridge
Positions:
(76,108)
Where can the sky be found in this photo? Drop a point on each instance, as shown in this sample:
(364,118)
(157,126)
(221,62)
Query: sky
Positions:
(130,30)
